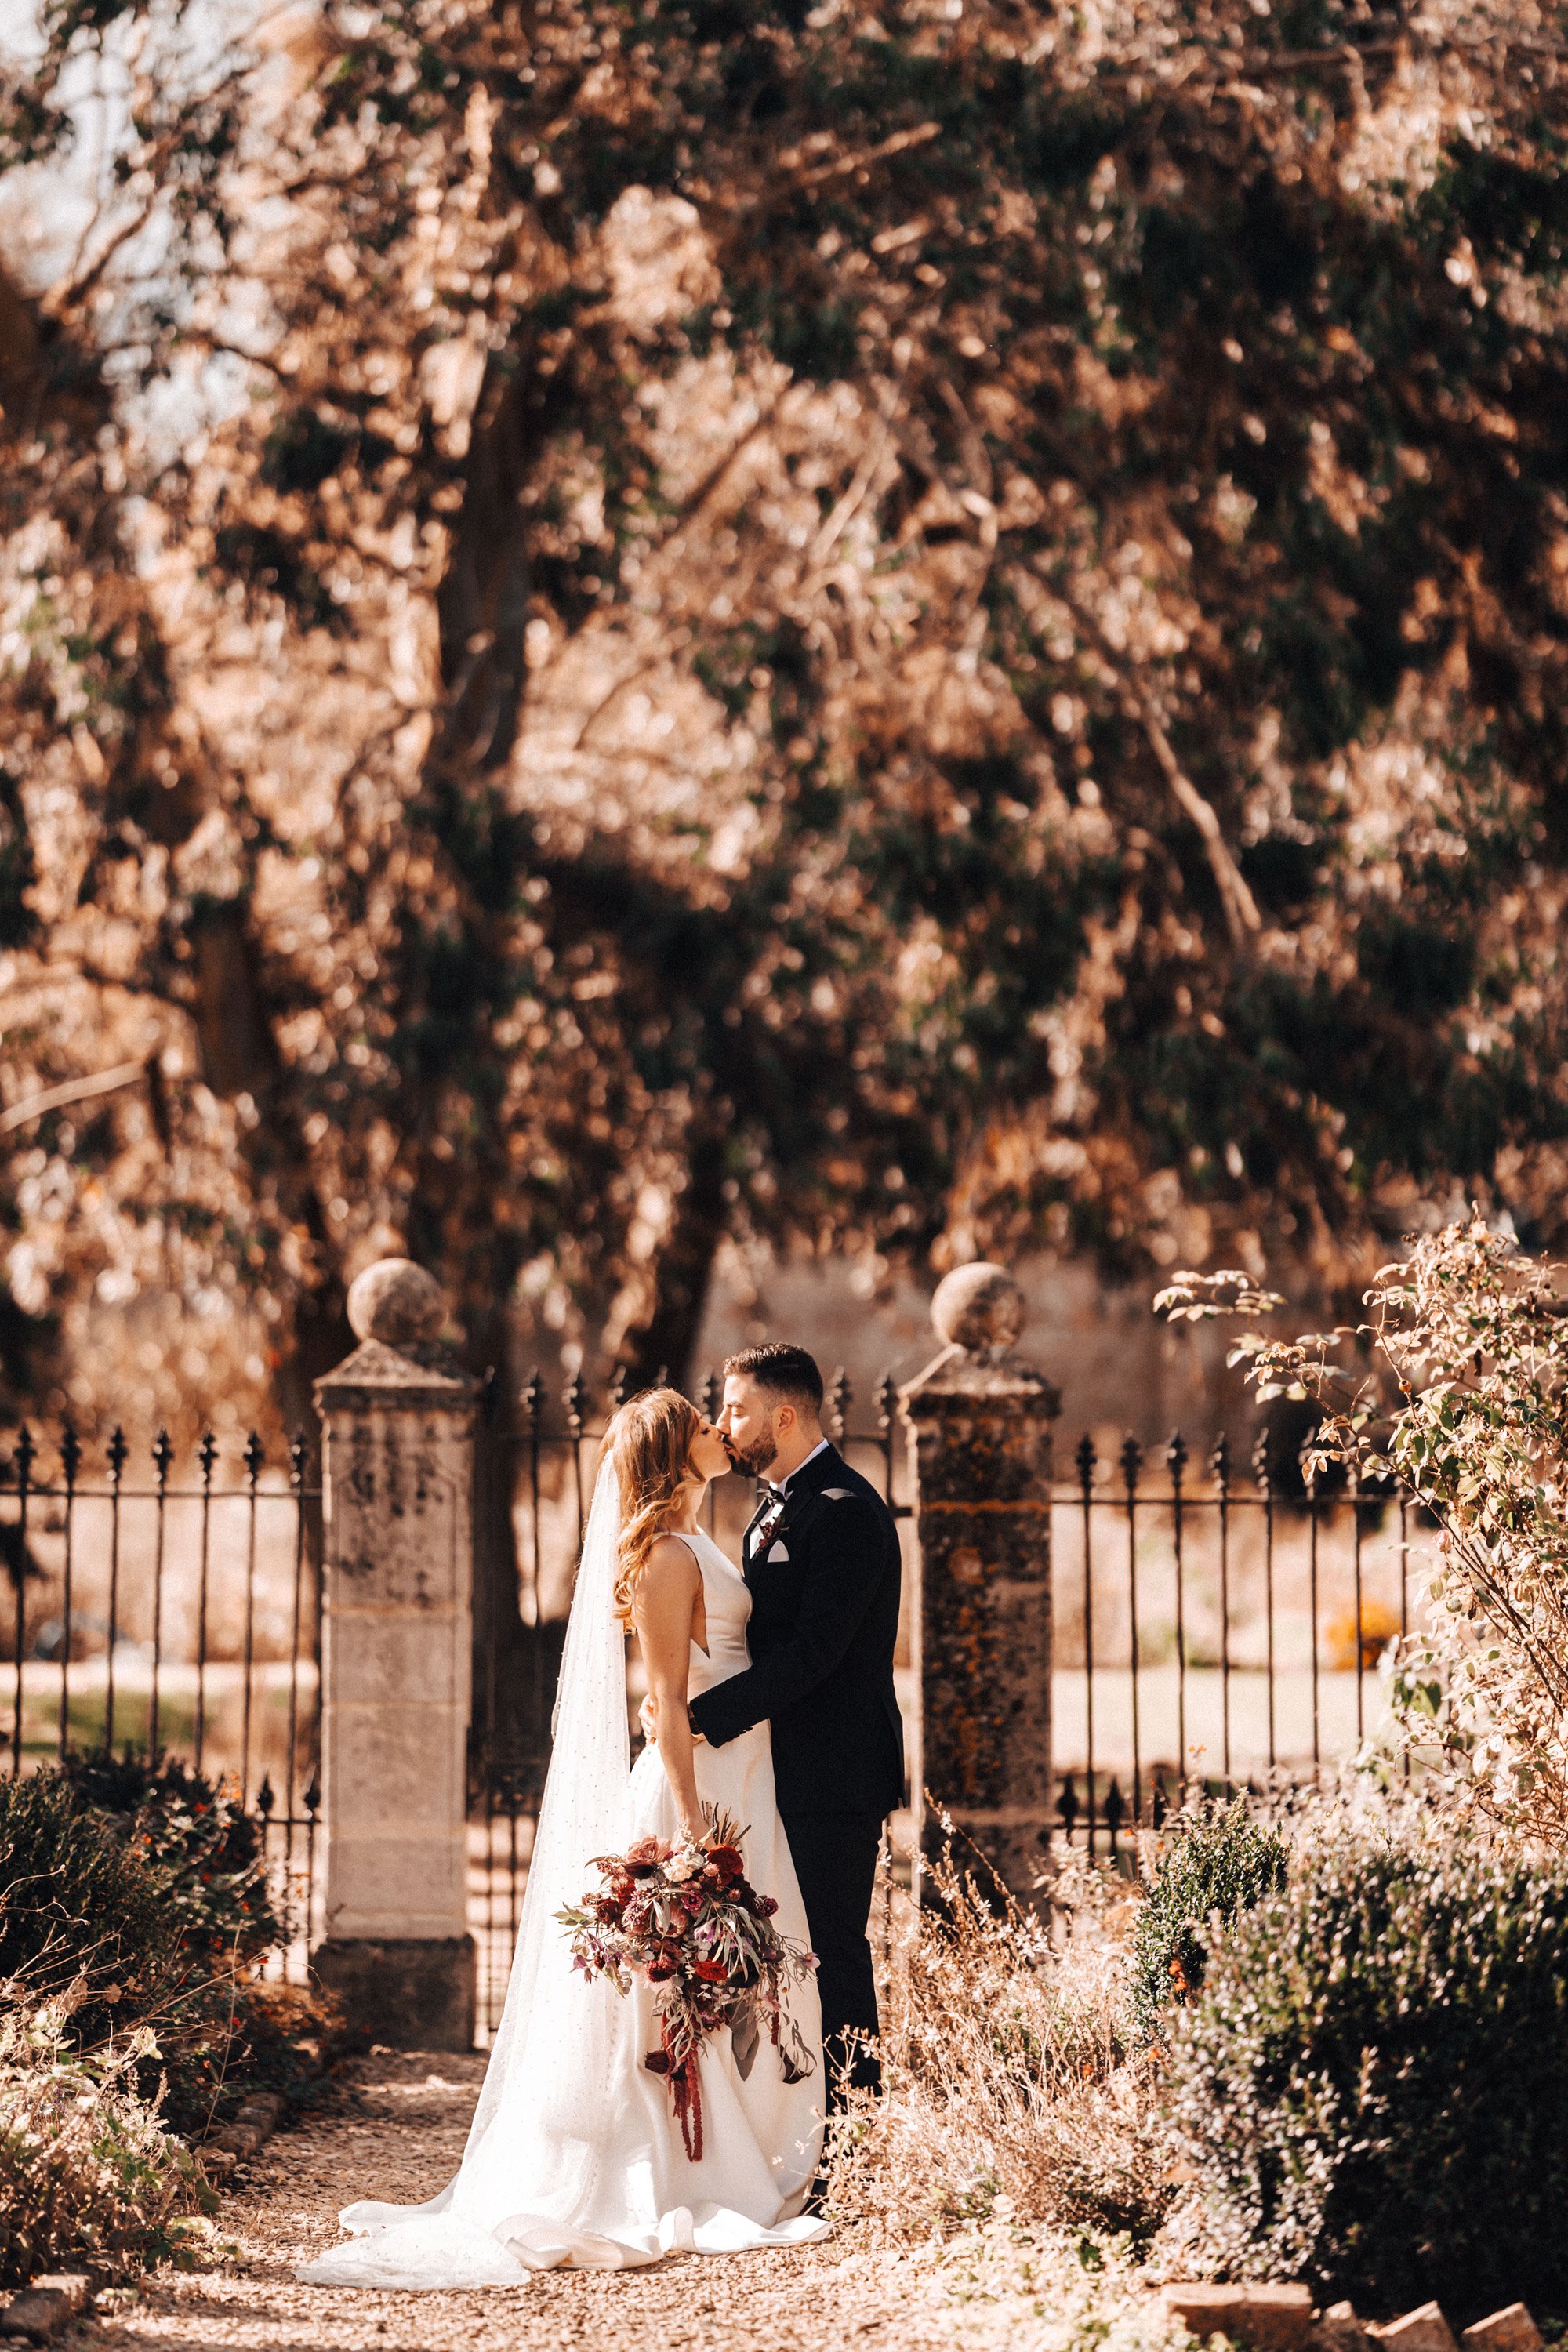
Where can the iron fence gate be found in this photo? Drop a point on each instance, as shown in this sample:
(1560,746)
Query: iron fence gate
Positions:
(1206,1626)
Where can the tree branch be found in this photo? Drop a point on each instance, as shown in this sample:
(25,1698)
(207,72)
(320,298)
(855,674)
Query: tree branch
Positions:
(1240,906)
(73,1090)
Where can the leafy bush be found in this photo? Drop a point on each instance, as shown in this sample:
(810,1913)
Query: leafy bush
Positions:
(132,1894)
(197,1832)
(236,2034)
(1470,1337)
(1373,2086)
(87,2175)
(1215,1861)
(1003,2064)
(79,1910)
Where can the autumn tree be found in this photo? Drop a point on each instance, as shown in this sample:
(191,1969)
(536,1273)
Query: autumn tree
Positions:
(632,627)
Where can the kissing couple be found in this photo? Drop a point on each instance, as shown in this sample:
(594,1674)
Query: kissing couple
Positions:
(771,1699)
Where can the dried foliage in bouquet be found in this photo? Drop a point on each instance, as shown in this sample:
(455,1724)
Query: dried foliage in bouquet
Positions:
(687,1921)
(1009,2081)
(1472,1338)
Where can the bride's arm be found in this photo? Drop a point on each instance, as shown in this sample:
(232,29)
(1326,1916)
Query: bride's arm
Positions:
(663,1614)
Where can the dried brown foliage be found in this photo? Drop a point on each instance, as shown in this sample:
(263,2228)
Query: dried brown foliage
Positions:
(1009,2085)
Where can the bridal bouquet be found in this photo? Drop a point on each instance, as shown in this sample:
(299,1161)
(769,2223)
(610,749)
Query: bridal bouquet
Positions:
(686,1919)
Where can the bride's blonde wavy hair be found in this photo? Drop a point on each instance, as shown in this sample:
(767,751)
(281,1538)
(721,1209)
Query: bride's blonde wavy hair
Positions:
(650,1443)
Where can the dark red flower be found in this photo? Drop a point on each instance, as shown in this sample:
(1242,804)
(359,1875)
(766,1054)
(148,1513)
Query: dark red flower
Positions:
(712,1971)
(658,1973)
(767,1905)
(657,2062)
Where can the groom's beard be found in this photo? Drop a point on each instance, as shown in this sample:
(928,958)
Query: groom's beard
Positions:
(754,1460)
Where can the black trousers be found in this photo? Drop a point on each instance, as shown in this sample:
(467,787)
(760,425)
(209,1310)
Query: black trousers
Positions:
(834,1857)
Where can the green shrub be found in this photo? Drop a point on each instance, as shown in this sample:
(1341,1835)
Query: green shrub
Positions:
(87,2175)
(1373,2086)
(1215,1860)
(197,1832)
(132,1896)
(79,1910)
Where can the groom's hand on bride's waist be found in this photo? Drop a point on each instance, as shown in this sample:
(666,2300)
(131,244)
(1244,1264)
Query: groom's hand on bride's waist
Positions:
(648,1718)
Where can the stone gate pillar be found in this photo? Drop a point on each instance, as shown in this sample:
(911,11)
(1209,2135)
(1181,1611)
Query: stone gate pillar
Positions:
(397,1421)
(980,1446)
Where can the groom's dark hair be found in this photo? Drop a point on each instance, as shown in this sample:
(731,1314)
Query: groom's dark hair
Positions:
(785,1371)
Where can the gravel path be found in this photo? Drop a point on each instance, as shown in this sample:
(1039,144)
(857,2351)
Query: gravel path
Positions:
(396,2131)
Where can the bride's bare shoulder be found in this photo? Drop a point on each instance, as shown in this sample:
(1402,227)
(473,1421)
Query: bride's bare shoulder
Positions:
(671,1564)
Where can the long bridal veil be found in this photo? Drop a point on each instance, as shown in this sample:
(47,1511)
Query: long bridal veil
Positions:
(545,2123)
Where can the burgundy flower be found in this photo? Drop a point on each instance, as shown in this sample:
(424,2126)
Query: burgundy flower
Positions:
(712,1971)
(658,1973)
(657,2062)
(691,1900)
(767,1905)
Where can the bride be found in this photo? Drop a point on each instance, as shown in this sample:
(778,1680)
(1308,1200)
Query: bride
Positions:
(575,2154)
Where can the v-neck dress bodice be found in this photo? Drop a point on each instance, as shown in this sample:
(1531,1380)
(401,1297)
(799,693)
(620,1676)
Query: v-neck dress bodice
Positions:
(727,1604)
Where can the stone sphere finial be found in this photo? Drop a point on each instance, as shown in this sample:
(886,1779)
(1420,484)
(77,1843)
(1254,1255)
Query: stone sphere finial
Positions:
(979,1308)
(397,1302)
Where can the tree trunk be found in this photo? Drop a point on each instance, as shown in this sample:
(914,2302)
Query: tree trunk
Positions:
(240,1058)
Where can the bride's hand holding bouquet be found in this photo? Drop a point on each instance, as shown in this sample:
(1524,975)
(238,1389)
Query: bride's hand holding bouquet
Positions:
(686,1919)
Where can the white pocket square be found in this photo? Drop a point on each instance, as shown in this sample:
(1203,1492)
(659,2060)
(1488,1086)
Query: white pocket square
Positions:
(779,1551)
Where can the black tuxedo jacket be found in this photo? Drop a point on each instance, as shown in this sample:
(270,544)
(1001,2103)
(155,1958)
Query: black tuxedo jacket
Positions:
(824,1618)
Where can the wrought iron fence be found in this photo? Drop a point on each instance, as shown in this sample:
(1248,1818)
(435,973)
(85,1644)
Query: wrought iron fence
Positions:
(1212,1630)
(1207,1628)
(176,1614)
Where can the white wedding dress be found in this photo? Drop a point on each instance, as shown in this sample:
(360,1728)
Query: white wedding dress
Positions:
(576,2155)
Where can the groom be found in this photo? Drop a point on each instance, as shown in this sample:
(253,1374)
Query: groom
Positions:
(821,1559)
